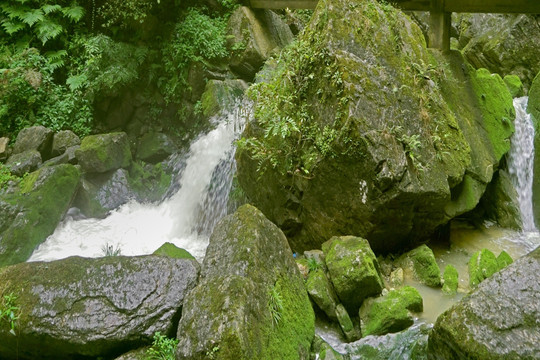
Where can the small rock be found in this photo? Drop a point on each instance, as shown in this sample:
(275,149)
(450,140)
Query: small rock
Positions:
(424,266)
(34,138)
(63,140)
(450,280)
(322,292)
(4,154)
(482,265)
(173,251)
(24,162)
(350,332)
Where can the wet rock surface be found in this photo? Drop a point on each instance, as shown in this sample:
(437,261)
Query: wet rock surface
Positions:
(81,308)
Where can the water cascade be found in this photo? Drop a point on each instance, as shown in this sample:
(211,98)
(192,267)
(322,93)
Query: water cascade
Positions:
(185,219)
(521,161)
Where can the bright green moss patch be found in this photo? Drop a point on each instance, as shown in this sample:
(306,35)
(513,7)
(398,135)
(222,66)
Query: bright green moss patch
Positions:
(482,265)
(171,250)
(425,267)
(514,85)
(503,260)
(450,280)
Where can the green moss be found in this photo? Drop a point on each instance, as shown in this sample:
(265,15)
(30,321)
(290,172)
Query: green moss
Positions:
(104,152)
(503,260)
(171,250)
(425,267)
(391,312)
(482,265)
(495,103)
(533,106)
(150,182)
(514,85)
(450,280)
(346,324)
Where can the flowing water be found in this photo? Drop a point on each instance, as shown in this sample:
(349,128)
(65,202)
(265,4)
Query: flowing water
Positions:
(185,219)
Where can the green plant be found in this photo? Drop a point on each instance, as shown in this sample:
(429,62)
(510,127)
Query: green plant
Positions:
(162,348)
(212,353)
(275,304)
(124,13)
(110,250)
(412,145)
(6,176)
(313,265)
(9,312)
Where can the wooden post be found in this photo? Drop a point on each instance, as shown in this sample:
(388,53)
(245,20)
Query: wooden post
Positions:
(439,26)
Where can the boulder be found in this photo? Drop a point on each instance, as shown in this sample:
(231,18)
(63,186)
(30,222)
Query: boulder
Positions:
(390,313)
(450,280)
(357,134)
(514,85)
(82,308)
(421,262)
(150,182)
(154,147)
(34,138)
(4,149)
(482,265)
(62,141)
(498,320)
(221,96)
(353,269)
(345,323)
(42,199)
(321,350)
(322,292)
(104,152)
(67,157)
(252,36)
(24,162)
(251,302)
(533,107)
(100,193)
(500,202)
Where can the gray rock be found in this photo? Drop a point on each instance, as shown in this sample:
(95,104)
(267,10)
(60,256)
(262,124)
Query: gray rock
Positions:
(67,157)
(251,302)
(104,152)
(155,147)
(77,307)
(24,162)
(322,293)
(34,138)
(221,96)
(500,202)
(64,140)
(498,320)
(345,323)
(4,149)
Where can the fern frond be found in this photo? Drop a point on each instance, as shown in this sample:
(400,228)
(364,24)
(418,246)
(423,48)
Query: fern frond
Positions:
(13,12)
(74,13)
(55,55)
(32,16)
(47,30)
(11,27)
(47,9)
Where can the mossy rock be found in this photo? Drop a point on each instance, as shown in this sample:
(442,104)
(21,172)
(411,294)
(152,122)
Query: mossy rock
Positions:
(514,85)
(533,107)
(155,147)
(24,162)
(171,250)
(63,140)
(503,260)
(220,96)
(345,323)
(104,152)
(353,270)
(150,182)
(450,280)
(390,313)
(322,293)
(321,350)
(43,198)
(482,265)
(424,265)
(34,138)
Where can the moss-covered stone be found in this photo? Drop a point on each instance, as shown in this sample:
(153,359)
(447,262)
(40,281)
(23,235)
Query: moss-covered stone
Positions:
(390,313)
(353,269)
(43,198)
(220,96)
(450,280)
(482,265)
(104,152)
(322,292)
(24,162)
(155,147)
(533,107)
(321,350)
(514,85)
(503,260)
(424,265)
(62,141)
(345,323)
(150,182)
(171,250)
(37,138)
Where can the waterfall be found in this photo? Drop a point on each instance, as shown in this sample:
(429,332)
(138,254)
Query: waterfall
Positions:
(185,219)
(521,161)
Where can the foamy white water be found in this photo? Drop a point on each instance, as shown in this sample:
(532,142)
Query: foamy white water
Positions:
(185,219)
(521,162)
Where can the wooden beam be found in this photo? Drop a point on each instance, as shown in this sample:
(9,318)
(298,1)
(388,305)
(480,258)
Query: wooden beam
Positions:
(494,6)
(439,26)
(282,4)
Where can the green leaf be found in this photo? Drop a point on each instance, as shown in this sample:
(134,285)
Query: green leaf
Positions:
(48,8)
(33,16)
(55,55)
(15,11)
(11,27)
(47,30)
(74,13)
(76,82)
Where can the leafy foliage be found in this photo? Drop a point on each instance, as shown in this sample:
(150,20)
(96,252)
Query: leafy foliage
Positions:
(6,175)
(123,13)
(275,304)
(110,250)
(162,348)
(9,312)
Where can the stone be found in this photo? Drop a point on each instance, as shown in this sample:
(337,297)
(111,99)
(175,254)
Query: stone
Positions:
(450,280)
(155,147)
(251,302)
(390,149)
(424,266)
(220,96)
(100,193)
(34,138)
(345,323)
(321,350)
(24,162)
(173,251)
(503,260)
(41,201)
(514,85)
(322,292)
(252,36)
(138,354)
(104,152)
(396,278)
(68,157)
(498,320)
(62,141)
(482,265)
(533,108)
(390,313)
(353,269)
(150,182)
(4,149)
(90,308)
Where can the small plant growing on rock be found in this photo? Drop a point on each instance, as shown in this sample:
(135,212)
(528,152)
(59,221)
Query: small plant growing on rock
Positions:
(313,265)
(9,312)
(275,304)
(162,348)
(111,250)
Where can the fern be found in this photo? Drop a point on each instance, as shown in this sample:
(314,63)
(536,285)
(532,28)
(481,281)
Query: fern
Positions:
(76,82)
(12,27)
(32,16)
(74,13)
(47,30)
(48,8)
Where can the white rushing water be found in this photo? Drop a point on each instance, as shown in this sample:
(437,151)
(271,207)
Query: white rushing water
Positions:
(185,219)
(521,161)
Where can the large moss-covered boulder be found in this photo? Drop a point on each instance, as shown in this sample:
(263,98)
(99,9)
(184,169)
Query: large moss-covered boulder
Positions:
(498,320)
(421,262)
(154,147)
(504,44)
(500,201)
(34,138)
(90,308)
(104,152)
(251,302)
(390,313)
(353,269)
(360,129)
(34,210)
(221,96)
